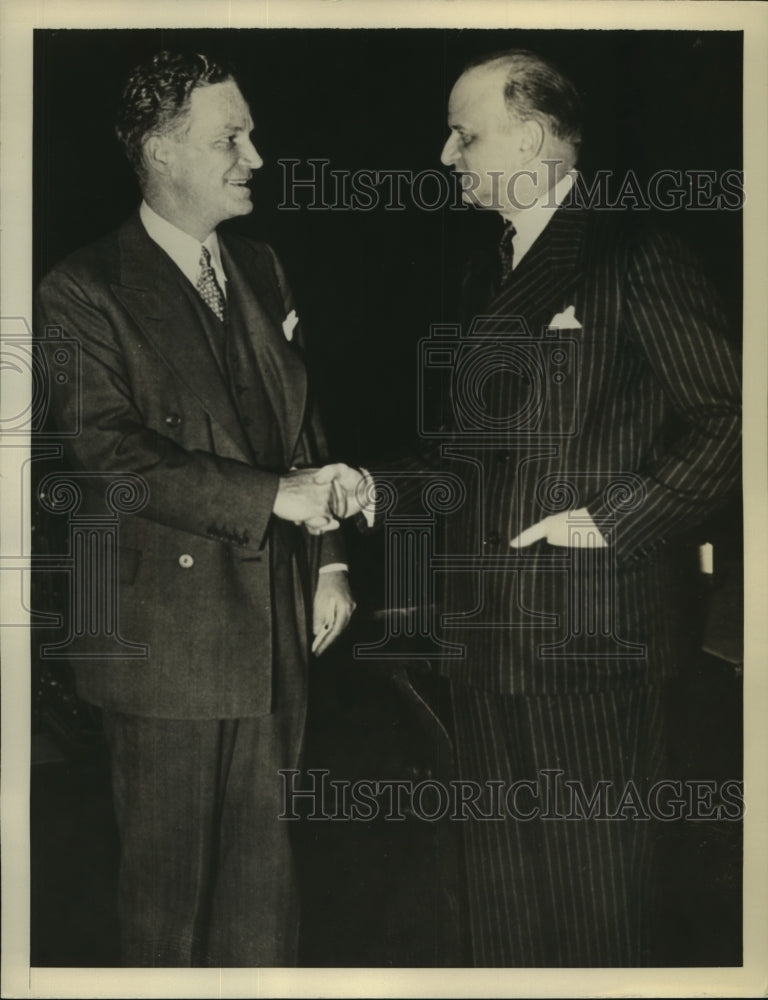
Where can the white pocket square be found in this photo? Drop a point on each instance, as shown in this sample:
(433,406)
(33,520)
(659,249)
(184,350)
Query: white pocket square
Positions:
(566,320)
(289,324)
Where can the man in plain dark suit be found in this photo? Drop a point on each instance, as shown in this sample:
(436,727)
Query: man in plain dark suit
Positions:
(193,379)
(594,422)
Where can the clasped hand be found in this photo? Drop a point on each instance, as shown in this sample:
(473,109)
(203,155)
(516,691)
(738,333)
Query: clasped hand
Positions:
(320,498)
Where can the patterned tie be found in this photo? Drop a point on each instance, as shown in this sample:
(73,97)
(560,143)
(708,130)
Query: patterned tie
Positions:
(208,286)
(506,252)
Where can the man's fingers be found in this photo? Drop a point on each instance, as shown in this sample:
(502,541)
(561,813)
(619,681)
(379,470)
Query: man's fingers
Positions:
(319,525)
(318,643)
(338,499)
(530,535)
(320,623)
(300,498)
(326,634)
(328,473)
(333,633)
(330,623)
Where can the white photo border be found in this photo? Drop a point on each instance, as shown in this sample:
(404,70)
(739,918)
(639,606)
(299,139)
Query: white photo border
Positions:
(19,18)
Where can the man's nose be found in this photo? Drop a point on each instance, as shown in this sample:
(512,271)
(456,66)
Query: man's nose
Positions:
(450,153)
(250,156)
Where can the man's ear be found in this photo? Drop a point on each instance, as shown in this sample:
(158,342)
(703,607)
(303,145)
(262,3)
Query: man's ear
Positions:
(158,154)
(532,138)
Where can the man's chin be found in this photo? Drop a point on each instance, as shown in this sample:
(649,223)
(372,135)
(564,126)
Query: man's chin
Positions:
(471,198)
(242,203)
(477,199)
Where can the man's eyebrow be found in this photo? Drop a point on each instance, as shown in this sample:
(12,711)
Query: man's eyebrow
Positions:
(235,127)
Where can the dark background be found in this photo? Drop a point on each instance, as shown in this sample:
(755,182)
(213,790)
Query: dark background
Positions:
(368,285)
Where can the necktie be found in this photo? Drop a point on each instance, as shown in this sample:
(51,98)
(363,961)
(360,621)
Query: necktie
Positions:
(506,252)
(208,286)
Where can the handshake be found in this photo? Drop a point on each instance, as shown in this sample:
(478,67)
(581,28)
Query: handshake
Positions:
(320,498)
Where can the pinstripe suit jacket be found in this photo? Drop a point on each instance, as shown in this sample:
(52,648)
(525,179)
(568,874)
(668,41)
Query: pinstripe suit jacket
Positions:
(628,405)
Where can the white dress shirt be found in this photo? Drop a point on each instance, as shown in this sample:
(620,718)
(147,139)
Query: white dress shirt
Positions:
(184,250)
(531,222)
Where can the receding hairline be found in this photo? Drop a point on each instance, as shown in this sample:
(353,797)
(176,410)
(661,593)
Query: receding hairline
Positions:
(520,68)
(506,115)
(505,65)
(479,72)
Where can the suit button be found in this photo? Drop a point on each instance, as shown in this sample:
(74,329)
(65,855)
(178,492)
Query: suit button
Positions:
(173,420)
(186,561)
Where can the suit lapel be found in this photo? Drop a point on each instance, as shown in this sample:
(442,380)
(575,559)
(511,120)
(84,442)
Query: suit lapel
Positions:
(547,272)
(151,290)
(252,284)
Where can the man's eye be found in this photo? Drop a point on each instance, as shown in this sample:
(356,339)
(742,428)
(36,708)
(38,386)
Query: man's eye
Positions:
(466,140)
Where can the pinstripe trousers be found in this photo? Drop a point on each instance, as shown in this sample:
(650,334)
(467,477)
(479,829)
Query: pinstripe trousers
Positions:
(545,890)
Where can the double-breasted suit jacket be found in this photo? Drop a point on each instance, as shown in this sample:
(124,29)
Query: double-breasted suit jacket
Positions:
(597,376)
(208,416)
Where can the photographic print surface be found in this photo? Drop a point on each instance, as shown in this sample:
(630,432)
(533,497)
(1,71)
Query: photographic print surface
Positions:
(525,750)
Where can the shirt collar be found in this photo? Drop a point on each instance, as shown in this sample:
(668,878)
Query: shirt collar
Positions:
(183,249)
(531,222)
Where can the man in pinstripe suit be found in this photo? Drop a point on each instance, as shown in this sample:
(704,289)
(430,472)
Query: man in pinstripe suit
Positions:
(594,423)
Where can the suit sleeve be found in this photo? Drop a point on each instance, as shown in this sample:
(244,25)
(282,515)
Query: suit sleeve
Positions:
(312,448)
(188,489)
(672,315)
